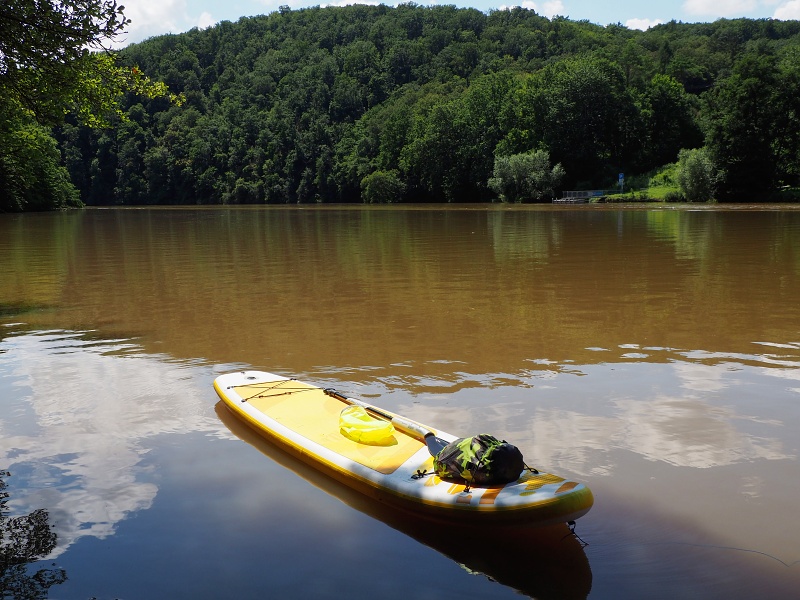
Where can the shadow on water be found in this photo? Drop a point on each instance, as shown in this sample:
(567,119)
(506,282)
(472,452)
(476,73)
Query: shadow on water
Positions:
(539,562)
(20,308)
(23,541)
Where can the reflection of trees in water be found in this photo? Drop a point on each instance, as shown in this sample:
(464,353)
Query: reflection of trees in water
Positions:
(24,540)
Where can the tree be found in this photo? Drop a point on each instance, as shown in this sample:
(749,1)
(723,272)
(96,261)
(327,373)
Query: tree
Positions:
(382,187)
(671,122)
(581,111)
(525,177)
(451,147)
(55,60)
(744,117)
(24,540)
(697,176)
(31,176)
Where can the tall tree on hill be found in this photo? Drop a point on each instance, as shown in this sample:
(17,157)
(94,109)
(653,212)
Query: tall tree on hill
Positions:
(751,115)
(55,59)
(581,111)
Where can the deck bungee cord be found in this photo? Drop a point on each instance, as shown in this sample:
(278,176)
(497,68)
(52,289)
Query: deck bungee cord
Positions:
(284,391)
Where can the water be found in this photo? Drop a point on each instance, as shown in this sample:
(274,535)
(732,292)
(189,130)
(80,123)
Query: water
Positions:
(652,353)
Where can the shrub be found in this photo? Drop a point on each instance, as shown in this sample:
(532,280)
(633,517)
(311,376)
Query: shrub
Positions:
(698,175)
(525,177)
(674,196)
(382,187)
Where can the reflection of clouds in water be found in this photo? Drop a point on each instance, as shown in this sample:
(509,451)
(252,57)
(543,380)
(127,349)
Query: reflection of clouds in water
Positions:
(679,431)
(789,375)
(710,377)
(567,440)
(689,433)
(752,486)
(684,432)
(550,439)
(89,411)
(701,378)
(792,371)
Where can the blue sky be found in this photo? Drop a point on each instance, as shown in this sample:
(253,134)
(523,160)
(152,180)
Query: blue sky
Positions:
(154,17)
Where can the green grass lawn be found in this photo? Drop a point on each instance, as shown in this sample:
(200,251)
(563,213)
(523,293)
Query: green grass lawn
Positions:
(661,193)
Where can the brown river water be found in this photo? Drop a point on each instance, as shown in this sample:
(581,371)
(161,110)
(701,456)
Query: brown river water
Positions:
(651,352)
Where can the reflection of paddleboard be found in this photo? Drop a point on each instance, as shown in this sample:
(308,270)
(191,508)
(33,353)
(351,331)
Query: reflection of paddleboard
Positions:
(305,420)
(505,554)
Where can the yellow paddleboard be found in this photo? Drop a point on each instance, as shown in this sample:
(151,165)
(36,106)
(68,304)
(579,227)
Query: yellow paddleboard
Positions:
(392,465)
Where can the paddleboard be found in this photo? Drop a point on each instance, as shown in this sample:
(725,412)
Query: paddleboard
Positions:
(304,420)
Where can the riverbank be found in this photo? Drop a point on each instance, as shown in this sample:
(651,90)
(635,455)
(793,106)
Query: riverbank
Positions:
(672,194)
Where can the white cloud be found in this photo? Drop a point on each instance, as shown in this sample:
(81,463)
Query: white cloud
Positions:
(787,11)
(643,24)
(153,17)
(206,20)
(719,8)
(156,17)
(551,9)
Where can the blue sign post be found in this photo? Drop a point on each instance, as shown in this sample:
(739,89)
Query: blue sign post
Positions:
(621,181)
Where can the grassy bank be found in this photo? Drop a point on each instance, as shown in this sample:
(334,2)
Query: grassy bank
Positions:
(667,193)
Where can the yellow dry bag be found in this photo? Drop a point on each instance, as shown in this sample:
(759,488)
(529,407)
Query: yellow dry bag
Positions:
(356,424)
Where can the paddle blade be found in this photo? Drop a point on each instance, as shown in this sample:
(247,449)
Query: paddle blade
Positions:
(435,444)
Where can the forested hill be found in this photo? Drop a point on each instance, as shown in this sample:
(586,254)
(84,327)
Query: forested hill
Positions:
(381,104)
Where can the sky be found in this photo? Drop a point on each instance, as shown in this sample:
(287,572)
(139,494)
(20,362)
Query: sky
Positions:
(155,17)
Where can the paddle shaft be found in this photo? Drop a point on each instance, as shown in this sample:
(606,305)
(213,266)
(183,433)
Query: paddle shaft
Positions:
(415,430)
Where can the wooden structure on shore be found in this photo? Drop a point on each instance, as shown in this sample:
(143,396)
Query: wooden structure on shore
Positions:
(579,196)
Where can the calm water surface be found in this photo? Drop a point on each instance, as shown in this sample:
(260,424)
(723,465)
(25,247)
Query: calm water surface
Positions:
(652,353)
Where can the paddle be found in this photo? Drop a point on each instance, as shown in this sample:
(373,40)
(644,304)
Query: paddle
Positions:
(434,444)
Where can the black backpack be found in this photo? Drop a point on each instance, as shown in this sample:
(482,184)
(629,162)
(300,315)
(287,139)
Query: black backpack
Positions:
(479,460)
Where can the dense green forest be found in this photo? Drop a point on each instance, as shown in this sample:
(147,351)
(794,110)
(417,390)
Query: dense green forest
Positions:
(441,104)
